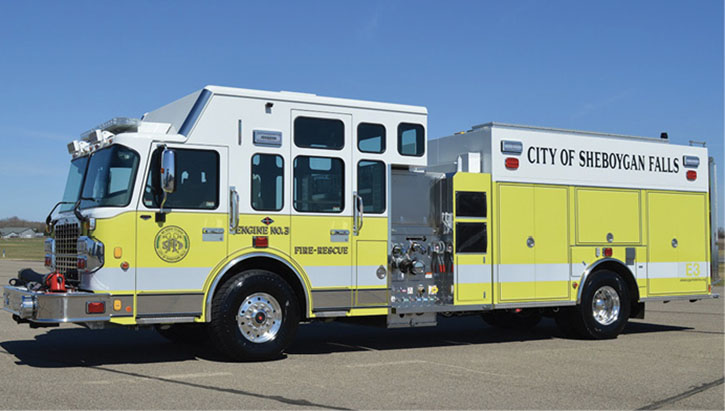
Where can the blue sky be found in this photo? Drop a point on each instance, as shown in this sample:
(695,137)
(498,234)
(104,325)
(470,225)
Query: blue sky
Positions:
(618,66)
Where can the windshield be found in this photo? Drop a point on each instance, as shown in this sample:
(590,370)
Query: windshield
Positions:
(73,182)
(103,180)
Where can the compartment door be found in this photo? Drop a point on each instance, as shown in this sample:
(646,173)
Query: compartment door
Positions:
(678,246)
(551,217)
(607,216)
(516,272)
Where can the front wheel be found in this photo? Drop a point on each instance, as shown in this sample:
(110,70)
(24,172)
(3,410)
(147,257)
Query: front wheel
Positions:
(604,308)
(255,316)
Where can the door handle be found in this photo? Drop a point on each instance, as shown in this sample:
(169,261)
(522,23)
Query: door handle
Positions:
(145,216)
(233,210)
(357,213)
(530,242)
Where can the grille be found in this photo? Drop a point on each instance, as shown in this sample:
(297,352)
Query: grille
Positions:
(66,250)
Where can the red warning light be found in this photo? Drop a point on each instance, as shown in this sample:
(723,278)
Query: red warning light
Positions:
(512,163)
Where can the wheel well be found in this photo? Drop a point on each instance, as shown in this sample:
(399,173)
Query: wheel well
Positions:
(275,266)
(626,275)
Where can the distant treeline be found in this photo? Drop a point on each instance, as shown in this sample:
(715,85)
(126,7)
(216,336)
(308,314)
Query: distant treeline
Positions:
(19,222)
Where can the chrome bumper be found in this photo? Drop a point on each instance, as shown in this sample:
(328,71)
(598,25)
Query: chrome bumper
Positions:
(41,307)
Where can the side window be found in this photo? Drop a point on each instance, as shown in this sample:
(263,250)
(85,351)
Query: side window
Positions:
(371,138)
(197,181)
(324,133)
(319,184)
(411,139)
(371,185)
(267,182)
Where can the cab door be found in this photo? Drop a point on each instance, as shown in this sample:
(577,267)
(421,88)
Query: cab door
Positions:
(321,217)
(179,245)
(371,176)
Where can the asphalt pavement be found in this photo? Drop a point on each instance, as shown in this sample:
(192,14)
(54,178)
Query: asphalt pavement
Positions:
(673,359)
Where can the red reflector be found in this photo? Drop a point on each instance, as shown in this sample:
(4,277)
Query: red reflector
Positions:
(512,163)
(95,308)
(260,241)
(607,252)
(81,263)
(691,175)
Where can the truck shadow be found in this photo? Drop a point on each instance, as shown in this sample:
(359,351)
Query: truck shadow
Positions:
(79,347)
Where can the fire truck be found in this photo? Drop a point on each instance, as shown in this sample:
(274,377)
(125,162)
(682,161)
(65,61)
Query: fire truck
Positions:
(235,214)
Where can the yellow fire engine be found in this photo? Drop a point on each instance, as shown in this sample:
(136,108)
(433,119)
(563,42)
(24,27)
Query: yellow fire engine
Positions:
(236,214)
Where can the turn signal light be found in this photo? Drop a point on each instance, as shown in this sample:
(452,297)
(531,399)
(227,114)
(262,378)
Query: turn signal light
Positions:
(48,261)
(607,252)
(261,241)
(512,163)
(691,175)
(95,308)
(81,263)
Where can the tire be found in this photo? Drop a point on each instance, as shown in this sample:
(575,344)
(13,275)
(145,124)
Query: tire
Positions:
(192,334)
(524,320)
(605,307)
(270,320)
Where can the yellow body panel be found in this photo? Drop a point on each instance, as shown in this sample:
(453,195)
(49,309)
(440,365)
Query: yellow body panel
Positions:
(533,243)
(568,224)
(600,212)
(678,235)
(477,288)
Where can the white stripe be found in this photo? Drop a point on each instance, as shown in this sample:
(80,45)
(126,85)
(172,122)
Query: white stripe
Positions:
(516,273)
(678,270)
(110,278)
(169,278)
(473,274)
(367,275)
(329,276)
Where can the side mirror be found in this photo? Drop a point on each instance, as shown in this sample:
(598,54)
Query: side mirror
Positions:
(168,171)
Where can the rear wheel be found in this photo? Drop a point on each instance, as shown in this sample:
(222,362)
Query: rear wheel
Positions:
(523,320)
(604,308)
(255,316)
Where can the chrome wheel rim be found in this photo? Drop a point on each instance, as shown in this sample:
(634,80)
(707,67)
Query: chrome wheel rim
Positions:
(259,318)
(605,305)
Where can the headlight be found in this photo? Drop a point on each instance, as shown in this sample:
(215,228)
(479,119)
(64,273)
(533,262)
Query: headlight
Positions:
(90,254)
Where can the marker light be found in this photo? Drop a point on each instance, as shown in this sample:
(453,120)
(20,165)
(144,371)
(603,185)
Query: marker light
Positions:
(48,261)
(691,175)
(691,161)
(117,252)
(82,262)
(511,147)
(608,252)
(512,163)
(96,308)
(261,241)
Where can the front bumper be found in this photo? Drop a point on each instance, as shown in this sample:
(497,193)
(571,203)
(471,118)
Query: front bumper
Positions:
(42,307)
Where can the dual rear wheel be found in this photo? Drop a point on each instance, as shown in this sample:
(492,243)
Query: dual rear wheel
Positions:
(604,309)
(602,313)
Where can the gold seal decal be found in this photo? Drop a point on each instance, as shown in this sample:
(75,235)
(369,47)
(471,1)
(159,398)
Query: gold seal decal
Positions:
(171,244)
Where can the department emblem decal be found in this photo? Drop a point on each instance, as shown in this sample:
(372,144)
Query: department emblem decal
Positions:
(172,244)
(267,221)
